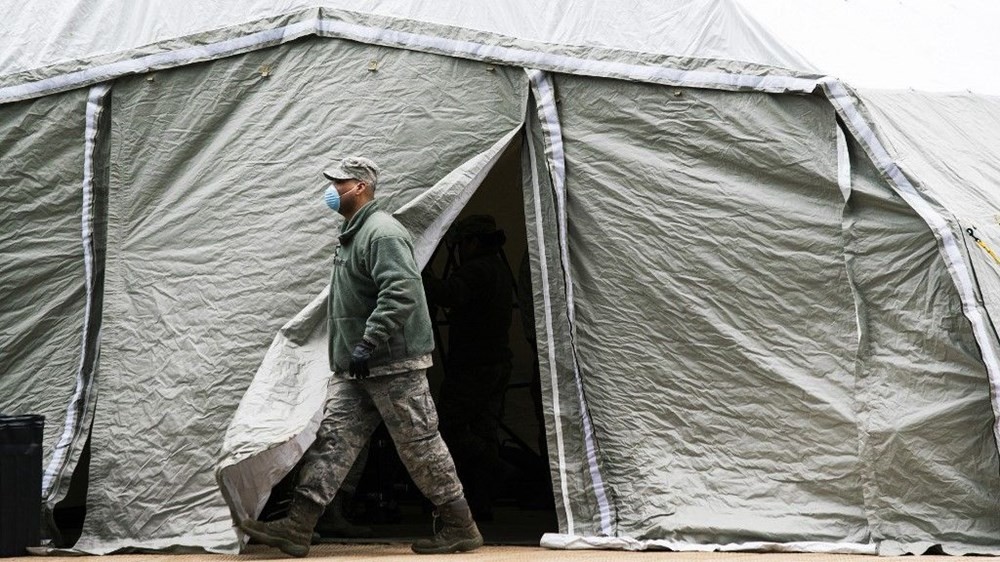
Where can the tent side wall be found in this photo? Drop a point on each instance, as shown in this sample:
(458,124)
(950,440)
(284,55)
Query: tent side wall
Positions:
(715,319)
(52,241)
(881,405)
(217,233)
(951,144)
(930,467)
(214,240)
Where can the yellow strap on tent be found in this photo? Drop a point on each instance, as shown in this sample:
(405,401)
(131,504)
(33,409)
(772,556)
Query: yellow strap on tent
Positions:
(981,244)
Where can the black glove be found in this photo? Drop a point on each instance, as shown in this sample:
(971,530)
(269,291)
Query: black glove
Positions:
(359,359)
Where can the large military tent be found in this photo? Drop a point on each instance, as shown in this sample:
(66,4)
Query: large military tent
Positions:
(765,301)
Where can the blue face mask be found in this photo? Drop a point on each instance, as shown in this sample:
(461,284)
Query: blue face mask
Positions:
(332,197)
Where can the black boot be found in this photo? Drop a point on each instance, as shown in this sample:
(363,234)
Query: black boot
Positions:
(293,534)
(458,531)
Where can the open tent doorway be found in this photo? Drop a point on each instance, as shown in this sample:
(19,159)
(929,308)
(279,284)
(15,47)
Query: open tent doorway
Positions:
(383,502)
(523,505)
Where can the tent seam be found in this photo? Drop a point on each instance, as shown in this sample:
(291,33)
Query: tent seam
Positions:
(76,409)
(547,305)
(844,182)
(324,27)
(543,87)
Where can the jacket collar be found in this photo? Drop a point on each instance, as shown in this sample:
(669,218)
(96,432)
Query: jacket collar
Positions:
(351,227)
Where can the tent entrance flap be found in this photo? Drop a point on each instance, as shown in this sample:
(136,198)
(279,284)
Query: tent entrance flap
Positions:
(278,416)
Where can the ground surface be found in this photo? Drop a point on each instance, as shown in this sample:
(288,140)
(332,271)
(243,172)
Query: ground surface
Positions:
(400,552)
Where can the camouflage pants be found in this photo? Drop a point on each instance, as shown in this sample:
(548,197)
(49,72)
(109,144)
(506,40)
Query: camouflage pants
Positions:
(353,411)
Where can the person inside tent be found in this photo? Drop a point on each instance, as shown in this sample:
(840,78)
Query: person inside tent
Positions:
(479,296)
(381,342)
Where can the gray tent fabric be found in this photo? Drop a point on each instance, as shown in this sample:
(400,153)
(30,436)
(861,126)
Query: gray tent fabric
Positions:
(188,312)
(762,323)
(579,509)
(946,230)
(47,59)
(726,342)
(51,267)
(951,142)
(923,403)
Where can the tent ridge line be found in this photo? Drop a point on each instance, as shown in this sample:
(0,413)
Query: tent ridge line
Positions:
(848,107)
(323,26)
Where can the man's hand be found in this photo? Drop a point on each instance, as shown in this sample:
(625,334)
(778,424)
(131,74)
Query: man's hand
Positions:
(359,359)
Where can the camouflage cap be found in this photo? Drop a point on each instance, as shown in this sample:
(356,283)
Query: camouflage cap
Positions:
(472,225)
(353,168)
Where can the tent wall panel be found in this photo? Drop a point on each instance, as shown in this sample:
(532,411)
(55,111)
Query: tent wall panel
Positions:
(218,232)
(733,356)
(49,215)
(931,471)
(714,307)
(951,144)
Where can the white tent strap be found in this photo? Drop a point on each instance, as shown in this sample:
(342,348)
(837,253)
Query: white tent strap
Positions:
(548,114)
(846,105)
(420,42)
(78,404)
(543,273)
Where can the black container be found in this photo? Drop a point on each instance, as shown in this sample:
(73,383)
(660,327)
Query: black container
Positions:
(20,483)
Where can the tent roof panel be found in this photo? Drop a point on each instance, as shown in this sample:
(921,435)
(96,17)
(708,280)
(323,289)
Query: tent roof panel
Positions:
(54,32)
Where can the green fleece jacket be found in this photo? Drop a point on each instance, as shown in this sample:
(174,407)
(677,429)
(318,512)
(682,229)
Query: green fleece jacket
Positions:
(376,294)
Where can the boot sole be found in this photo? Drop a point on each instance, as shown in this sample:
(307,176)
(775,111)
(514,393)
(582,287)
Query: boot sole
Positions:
(461,546)
(284,545)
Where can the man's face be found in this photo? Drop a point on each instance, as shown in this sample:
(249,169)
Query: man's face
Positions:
(348,190)
(345,186)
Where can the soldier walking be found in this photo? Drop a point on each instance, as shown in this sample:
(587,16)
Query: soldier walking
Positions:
(381,341)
